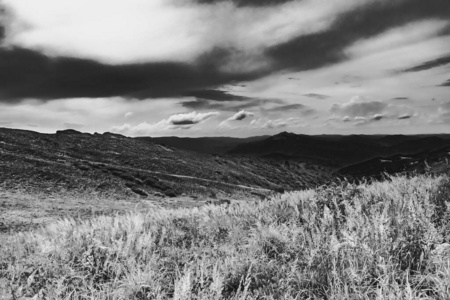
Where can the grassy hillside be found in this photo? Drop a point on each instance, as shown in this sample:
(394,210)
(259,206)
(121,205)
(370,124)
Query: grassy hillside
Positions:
(110,165)
(384,240)
(211,145)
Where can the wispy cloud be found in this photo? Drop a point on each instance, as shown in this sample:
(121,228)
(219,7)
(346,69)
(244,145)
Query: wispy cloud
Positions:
(241,115)
(404,117)
(275,124)
(288,107)
(175,122)
(430,64)
(362,111)
(317,96)
(397,37)
(447,83)
(238,103)
(359,107)
(243,3)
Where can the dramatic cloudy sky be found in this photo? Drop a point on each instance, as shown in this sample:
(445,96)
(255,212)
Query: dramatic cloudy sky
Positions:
(225,67)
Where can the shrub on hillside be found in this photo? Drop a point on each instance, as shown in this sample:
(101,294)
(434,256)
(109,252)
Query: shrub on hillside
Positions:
(155,183)
(123,175)
(440,200)
(139,191)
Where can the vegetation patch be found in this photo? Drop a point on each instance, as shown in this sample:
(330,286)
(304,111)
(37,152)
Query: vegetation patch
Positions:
(139,191)
(379,240)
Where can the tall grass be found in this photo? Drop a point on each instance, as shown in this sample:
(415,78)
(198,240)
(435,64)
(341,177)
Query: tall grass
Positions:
(384,240)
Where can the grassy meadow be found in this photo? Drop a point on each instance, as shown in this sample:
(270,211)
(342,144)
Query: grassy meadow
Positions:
(379,240)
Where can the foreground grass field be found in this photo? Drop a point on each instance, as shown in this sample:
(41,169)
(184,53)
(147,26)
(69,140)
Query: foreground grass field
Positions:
(384,240)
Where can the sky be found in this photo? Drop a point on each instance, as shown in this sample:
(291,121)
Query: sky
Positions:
(225,67)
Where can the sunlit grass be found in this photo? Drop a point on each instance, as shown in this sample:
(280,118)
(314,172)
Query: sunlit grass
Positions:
(384,240)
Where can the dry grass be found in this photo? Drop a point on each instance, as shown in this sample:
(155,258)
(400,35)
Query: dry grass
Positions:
(384,240)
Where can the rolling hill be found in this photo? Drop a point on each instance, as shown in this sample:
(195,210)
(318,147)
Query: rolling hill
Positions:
(121,167)
(110,164)
(340,151)
(211,145)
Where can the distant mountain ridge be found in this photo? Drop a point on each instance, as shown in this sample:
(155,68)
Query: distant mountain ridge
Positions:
(433,161)
(340,151)
(211,145)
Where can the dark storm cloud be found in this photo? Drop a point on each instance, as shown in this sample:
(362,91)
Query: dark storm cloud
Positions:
(239,116)
(447,83)
(241,3)
(430,64)
(400,98)
(404,117)
(209,99)
(29,74)
(378,117)
(214,95)
(327,47)
(2,28)
(184,122)
(200,104)
(190,118)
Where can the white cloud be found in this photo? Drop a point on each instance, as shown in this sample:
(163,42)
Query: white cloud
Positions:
(190,118)
(239,116)
(95,114)
(378,117)
(443,113)
(276,123)
(359,107)
(360,110)
(123,31)
(128,114)
(174,122)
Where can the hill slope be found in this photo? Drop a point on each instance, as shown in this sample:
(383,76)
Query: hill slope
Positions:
(211,145)
(340,151)
(434,161)
(385,240)
(119,166)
